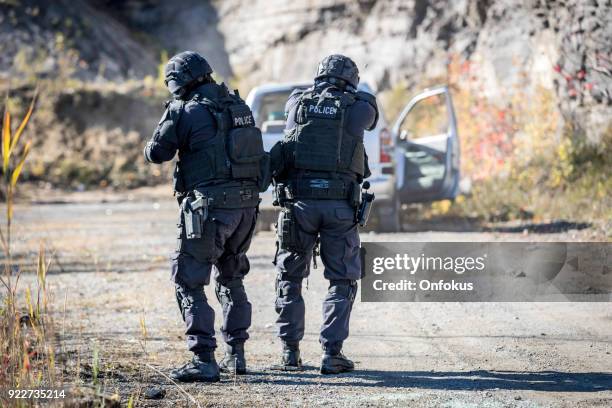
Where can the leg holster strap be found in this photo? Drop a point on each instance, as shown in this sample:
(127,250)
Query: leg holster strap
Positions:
(344,287)
(288,287)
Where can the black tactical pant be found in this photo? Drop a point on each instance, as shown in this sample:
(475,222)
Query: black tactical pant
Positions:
(333,221)
(227,237)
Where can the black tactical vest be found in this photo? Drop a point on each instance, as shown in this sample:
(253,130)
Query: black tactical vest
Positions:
(235,154)
(319,141)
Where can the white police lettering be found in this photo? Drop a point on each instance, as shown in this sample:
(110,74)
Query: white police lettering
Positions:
(322,110)
(243,120)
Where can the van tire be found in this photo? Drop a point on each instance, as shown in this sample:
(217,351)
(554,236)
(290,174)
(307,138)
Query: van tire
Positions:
(388,215)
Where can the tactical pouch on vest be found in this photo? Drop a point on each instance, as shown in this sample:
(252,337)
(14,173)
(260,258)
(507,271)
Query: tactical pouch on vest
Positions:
(245,151)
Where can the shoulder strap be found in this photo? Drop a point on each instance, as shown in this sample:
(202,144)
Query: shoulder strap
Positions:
(306,94)
(209,103)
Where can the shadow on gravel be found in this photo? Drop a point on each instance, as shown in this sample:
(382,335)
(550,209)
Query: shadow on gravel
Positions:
(443,224)
(551,381)
(542,228)
(450,224)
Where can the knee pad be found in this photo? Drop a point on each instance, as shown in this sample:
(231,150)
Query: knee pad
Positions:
(344,288)
(289,289)
(231,292)
(186,297)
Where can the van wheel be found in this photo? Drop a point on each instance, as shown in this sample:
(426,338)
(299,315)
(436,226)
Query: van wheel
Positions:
(388,215)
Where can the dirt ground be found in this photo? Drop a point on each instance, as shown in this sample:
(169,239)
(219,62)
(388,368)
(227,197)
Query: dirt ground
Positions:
(111,275)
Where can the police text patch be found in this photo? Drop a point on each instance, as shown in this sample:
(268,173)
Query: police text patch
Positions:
(325,111)
(241,116)
(241,121)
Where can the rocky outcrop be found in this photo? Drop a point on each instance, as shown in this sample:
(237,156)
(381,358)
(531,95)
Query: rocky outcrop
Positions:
(516,44)
(564,46)
(64,38)
(174,26)
(94,137)
(583,80)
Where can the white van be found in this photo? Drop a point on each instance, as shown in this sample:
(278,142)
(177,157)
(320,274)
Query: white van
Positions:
(388,150)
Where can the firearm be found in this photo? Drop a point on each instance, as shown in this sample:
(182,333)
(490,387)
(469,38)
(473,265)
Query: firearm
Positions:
(281,195)
(365,207)
(195,212)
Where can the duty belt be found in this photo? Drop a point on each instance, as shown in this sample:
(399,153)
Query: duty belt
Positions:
(230,197)
(321,189)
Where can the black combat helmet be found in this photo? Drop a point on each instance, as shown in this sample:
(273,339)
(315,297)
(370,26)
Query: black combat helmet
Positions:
(184,69)
(340,67)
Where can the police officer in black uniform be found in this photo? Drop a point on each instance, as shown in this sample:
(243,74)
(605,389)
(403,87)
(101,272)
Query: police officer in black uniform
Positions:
(318,169)
(218,176)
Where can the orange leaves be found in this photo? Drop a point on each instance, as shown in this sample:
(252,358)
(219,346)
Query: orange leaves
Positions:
(500,136)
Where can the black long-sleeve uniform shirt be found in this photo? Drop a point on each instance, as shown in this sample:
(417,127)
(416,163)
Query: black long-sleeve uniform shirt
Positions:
(183,123)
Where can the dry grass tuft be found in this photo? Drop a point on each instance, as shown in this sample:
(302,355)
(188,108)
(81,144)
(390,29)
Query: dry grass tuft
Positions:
(26,329)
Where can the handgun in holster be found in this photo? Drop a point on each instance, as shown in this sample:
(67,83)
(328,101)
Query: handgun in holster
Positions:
(195,213)
(365,207)
(286,227)
(282,195)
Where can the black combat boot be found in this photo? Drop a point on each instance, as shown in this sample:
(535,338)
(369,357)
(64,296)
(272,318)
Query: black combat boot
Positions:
(202,367)
(290,359)
(336,363)
(234,361)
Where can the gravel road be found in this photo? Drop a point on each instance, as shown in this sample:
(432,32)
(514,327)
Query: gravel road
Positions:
(110,275)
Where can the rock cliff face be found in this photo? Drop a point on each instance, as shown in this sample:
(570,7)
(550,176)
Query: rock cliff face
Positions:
(560,45)
(563,46)
(68,38)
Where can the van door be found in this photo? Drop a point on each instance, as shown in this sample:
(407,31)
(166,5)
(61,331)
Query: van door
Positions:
(427,148)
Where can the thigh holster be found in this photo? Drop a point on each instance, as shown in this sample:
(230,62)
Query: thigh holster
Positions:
(287,230)
(288,287)
(344,287)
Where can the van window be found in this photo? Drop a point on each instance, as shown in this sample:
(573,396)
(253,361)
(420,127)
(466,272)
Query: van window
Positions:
(429,117)
(272,107)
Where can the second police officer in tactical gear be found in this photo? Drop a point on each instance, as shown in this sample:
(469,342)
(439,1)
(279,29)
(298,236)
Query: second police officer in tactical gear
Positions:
(221,169)
(317,170)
